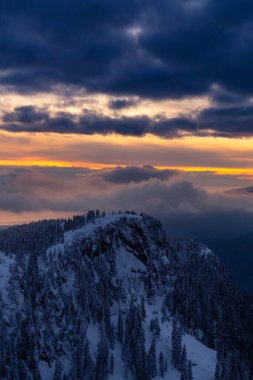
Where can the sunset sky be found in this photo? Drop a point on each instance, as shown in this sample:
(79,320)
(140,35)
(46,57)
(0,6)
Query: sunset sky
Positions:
(134,104)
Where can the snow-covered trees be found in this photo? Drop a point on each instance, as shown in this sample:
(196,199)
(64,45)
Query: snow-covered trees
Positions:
(161,365)
(155,327)
(58,370)
(108,277)
(102,360)
(231,366)
(120,327)
(152,358)
(134,344)
(176,344)
(111,364)
(179,354)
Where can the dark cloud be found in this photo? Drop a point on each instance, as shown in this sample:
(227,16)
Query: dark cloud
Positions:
(229,121)
(28,119)
(157,49)
(129,174)
(119,104)
(26,115)
(220,97)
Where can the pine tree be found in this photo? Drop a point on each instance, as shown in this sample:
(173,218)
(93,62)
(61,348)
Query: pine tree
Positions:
(176,343)
(161,365)
(109,328)
(152,358)
(184,374)
(166,365)
(101,369)
(227,367)
(183,358)
(189,367)
(218,366)
(57,370)
(88,365)
(155,327)
(134,352)
(120,327)
(143,310)
(184,366)
(111,364)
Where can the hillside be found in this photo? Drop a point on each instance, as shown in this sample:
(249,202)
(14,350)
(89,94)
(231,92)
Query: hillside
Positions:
(109,297)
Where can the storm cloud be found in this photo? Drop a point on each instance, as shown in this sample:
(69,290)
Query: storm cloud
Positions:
(155,49)
(229,121)
(137,174)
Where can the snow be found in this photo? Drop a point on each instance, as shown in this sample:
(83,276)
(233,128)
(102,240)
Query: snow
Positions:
(203,357)
(93,337)
(129,269)
(205,251)
(45,371)
(89,229)
(127,262)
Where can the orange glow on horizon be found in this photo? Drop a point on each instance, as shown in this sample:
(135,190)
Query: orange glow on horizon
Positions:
(216,170)
(57,164)
(99,166)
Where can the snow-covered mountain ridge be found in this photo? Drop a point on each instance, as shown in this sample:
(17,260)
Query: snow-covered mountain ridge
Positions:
(110,297)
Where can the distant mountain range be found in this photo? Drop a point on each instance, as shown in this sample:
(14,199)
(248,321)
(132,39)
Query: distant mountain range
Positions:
(241,190)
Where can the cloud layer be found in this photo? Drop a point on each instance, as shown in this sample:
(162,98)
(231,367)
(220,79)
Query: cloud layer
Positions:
(232,121)
(184,208)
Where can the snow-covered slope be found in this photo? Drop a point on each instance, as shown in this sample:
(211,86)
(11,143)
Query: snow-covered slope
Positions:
(92,297)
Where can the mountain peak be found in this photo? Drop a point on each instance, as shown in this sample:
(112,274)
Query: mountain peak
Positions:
(114,290)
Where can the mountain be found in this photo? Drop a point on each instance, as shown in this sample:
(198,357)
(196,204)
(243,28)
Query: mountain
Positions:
(101,297)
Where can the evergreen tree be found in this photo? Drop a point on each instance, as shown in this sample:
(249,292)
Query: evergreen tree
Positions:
(190,377)
(184,374)
(155,327)
(143,310)
(166,365)
(88,365)
(120,327)
(102,360)
(176,343)
(109,328)
(111,364)
(161,364)
(134,351)
(183,358)
(57,370)
(184,366)
(152,358)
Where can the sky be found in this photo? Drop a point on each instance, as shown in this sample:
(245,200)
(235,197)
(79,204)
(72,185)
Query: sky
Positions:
(144,105)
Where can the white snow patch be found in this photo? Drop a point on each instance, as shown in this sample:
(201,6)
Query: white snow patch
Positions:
(205,251)
(126,262)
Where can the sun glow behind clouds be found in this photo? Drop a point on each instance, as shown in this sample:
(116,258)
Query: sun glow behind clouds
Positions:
(221,155)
